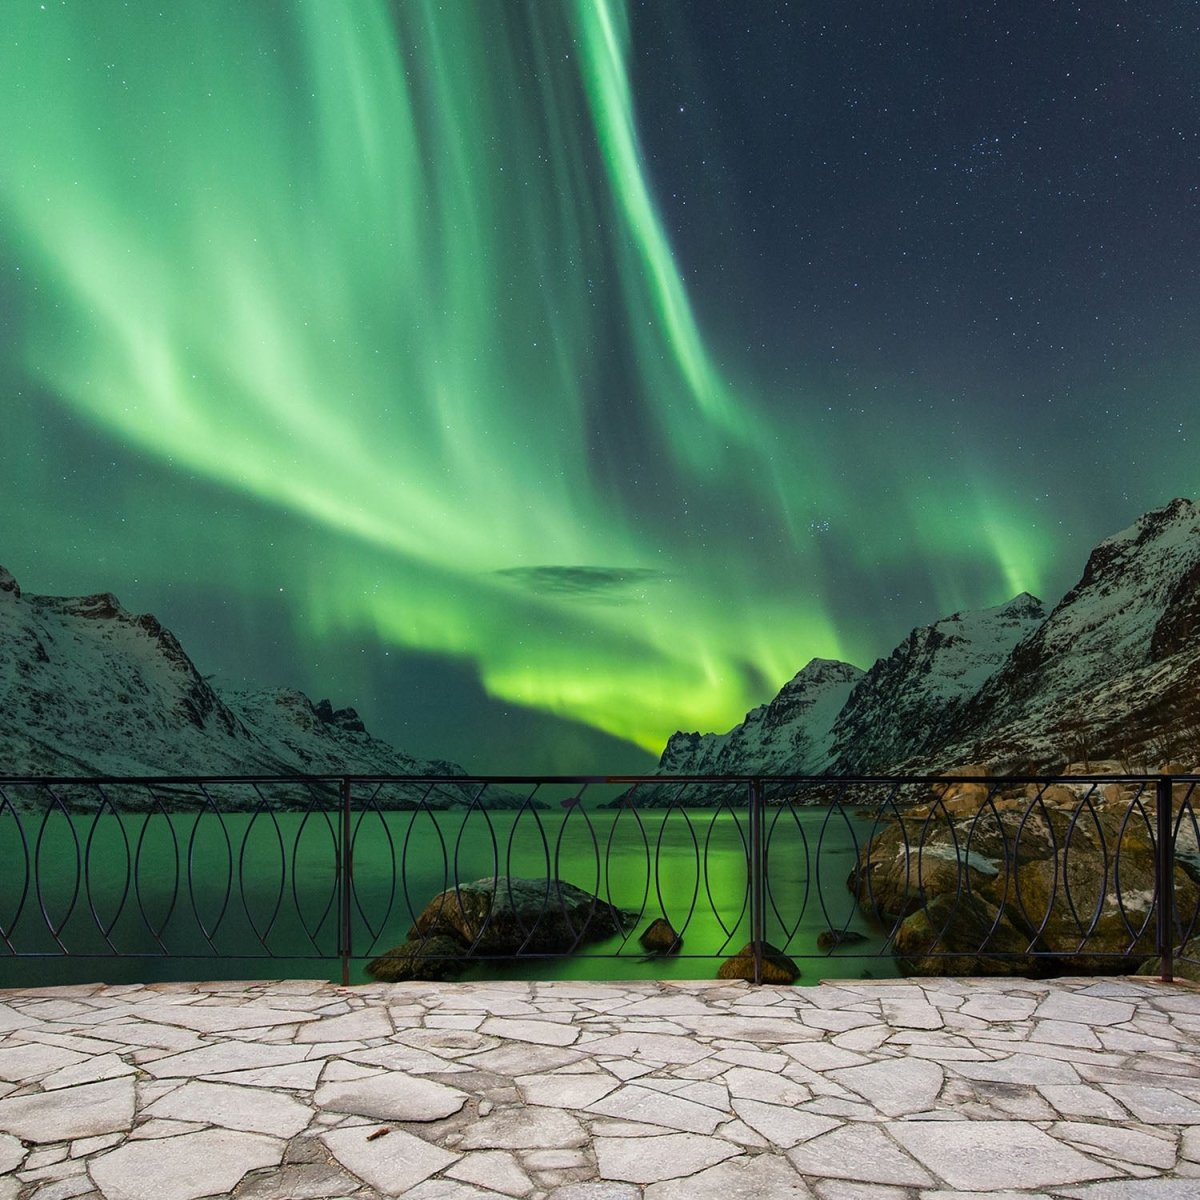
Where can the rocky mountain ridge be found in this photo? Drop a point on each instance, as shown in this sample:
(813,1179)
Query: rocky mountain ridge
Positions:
(1112,673)
(88,688)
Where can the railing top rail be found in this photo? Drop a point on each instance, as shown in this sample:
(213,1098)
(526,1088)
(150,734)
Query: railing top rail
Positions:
(625,780)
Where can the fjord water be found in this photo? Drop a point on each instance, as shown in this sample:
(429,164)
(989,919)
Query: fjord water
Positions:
(256,895)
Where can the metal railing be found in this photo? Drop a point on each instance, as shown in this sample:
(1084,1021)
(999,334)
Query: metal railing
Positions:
(924,875)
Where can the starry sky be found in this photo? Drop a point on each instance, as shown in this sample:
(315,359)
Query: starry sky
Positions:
(541,378)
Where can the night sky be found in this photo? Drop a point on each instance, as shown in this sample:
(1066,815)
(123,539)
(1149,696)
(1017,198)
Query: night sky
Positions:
(541,378)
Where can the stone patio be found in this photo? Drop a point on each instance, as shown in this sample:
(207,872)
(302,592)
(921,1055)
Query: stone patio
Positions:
(1083,1088)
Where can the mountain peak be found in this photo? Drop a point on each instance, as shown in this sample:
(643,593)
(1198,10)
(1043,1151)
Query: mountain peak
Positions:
(819,671)
(8,583)
(1024,604)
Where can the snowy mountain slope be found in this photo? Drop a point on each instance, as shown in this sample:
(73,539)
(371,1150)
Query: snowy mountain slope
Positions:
(93,686)
(1113,671)
(87,688)
(321,739)
(909,701)
(788,736)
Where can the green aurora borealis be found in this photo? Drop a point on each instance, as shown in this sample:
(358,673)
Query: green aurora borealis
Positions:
(369,324)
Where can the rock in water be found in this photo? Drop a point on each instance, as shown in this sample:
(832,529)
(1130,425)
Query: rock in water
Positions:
(776,966)
(660,938)
(1061,881)
(828,939)
(508,915)
(428,958)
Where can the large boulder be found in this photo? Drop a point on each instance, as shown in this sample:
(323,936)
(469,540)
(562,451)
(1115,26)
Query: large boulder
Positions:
(507,915)
(499,917)
(1060,880)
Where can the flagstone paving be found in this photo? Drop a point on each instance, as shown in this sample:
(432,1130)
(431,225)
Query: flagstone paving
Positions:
(1083,1089)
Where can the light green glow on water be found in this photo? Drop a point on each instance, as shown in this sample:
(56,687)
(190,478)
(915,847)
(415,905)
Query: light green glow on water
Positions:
(671,866)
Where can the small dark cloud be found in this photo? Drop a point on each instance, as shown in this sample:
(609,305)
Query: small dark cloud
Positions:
(594,585)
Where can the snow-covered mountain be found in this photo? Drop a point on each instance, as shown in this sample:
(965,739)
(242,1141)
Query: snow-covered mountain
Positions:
(789,736)
(1112,673)
(87,688)
(908,703)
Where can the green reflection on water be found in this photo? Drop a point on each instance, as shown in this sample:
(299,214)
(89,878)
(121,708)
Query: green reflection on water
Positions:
(263,901)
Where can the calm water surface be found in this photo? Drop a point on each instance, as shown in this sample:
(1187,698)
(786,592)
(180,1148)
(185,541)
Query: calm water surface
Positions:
(255,896)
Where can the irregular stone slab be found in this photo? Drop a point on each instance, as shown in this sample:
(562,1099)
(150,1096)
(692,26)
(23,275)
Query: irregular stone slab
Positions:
(784,1127)
(360,1026)
(952,1195)
(564,1090)
(85,1147)
(77,1112)
(541,1033)
(911,1014)
(446,1043)
(1127,1145)
(449,1189)
(391,1164)
(223,1056)
(1080,1100)
(220,1018)
(762,1031)
(553,1160)
(858,1152)
(1189,1146)
(1151,1105)
(183,1167)
(300,1181)
(659,1048)
(757,1177)
(636,1103)
(842,1189)
(517,1060)
(758,1060)
(651,1159)
(35,1059)
(249,1109)
(524,1129)
(1135,1189)
(894,1086)
(91,1070)
(1067,1033)
(715,1095)
(493,1169)
(603,1127)
(1084,1010)
(999,1008)
(10,1018)
(12,1153)
(300,1076)
(132,1033)
(839,1021)
(978,1156)
(392,1097)
(1020,1068)
(162,1128)
(669,1005)
(600,1189)
(821,1056)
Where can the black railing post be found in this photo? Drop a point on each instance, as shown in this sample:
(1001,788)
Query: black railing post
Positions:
(347,873)
(1165,873)
(757,873)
